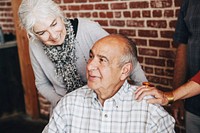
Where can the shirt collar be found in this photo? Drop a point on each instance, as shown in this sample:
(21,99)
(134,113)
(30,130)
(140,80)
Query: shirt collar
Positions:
(126,92)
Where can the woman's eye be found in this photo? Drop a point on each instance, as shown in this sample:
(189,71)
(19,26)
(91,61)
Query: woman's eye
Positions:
(54,24)
(40,33)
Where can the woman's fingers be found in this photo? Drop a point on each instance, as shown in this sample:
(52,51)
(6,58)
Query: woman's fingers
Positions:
(143,91)
(158,97)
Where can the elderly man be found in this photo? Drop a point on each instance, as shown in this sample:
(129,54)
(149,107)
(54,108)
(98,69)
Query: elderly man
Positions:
(106,104)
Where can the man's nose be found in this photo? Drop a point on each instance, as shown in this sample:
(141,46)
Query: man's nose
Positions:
(92,64)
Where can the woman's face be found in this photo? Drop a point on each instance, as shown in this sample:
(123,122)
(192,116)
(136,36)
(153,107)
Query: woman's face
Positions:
(51,31)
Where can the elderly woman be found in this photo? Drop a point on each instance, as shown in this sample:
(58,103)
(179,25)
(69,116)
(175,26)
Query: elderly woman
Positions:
(59,48)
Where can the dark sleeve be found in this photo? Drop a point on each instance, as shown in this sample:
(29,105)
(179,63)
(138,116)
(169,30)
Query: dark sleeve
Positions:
(181,32)
(196,78)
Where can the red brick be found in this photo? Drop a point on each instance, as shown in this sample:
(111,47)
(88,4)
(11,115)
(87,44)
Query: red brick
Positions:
(80,1)
(153,79)
(157,23)
(178,3)
(74,8)
(63,7)
(102,15)
(167,34)
(95,14)
(147,51)
(147,33)
(141,42)
(101,6)
(109,14)
(94,0)
(140,59)
(127,32)
(146,14)
(118,23)
(155,62)
(148,70)
(135,23)
(127,14)
(136,14)
(157,13)
(86,7)
(161,3)
(74,15)
(159,43)
(172,24)
(85,14)
(117,14)
(68,1)
(167,54)
(165,81)
(170,63)
(159,71)
(169,13)
(139,4)
(118,6)
(169,72)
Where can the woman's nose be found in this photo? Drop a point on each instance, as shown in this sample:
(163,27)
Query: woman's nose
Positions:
(52,34)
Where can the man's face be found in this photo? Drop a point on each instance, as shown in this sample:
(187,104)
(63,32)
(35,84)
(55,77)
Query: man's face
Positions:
(103,71)
(50,31)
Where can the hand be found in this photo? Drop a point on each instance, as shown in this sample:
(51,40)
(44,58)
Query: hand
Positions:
(44,105)
(158,95)
(178,112)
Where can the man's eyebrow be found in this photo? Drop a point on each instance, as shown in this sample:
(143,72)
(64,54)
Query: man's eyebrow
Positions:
(38,32)
(102,56)
(98,55)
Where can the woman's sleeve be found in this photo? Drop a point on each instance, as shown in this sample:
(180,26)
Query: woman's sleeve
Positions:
(196,78)
(41,81)
(138,75)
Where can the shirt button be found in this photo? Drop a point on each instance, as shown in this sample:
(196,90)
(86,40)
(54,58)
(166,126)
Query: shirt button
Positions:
(106,115)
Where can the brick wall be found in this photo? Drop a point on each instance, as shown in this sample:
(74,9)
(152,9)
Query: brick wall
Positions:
(6,17)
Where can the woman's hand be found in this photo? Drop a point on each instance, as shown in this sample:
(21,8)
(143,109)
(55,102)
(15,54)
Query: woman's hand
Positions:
(44,105)
(158,95)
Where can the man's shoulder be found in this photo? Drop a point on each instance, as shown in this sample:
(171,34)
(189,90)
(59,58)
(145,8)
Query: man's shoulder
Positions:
(81,92)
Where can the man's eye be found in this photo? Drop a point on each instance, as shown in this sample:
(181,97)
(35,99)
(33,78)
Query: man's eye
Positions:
(90,56)
(102,60)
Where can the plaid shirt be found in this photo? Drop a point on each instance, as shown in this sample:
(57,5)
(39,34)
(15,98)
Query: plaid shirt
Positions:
(81,112)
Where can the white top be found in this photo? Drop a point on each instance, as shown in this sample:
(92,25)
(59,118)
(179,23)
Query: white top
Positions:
(45,77)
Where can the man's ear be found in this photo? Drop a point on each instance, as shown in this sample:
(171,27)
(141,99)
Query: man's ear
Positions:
(126,70)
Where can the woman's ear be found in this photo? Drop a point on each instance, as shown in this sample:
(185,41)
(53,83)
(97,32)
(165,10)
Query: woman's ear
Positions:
(126,71)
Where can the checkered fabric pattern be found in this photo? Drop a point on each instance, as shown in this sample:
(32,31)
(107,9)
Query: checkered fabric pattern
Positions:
(81,112)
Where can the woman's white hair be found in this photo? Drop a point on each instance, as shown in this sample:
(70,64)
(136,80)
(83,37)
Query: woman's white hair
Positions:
(32,11)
